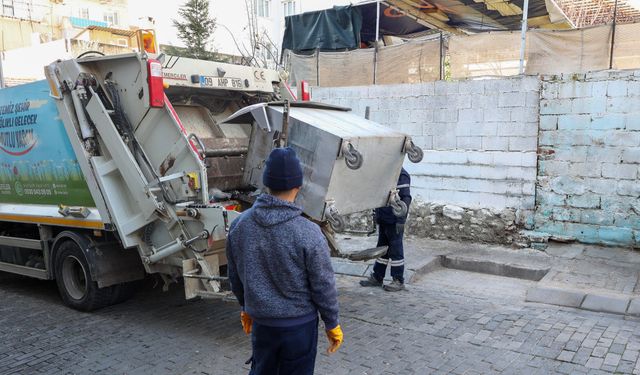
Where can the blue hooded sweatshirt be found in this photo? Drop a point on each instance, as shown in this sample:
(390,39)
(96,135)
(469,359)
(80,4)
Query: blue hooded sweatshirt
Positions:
(279,266)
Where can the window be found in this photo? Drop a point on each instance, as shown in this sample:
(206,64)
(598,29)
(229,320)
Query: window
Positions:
(7,8)
(289,7)
(84,13)
(266,57)
(261,7)
(111,18)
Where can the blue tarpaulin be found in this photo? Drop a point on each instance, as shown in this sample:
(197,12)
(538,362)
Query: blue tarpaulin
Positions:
(81,23)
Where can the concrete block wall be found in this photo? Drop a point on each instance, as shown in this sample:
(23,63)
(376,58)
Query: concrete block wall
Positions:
(589,167)
(477,179)
(479,137)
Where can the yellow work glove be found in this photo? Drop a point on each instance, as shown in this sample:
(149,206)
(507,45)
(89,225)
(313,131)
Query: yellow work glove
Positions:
(246,321)
(335,339)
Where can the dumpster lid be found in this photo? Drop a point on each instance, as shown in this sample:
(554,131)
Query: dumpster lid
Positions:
(258,112)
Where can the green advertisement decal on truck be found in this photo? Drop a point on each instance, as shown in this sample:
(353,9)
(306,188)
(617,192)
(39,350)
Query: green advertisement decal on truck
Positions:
(37,162)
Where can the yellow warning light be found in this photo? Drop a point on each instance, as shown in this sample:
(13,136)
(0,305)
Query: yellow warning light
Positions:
(147,41)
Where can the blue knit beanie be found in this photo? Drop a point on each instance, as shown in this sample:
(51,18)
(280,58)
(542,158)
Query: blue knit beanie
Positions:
(282,170)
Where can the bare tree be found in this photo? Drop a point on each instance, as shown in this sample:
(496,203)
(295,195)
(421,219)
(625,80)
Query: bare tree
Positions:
(261,51)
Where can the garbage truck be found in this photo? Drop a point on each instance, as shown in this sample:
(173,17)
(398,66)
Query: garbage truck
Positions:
(115,167)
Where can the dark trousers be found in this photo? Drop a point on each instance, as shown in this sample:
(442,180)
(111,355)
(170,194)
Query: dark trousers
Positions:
(284,350)
(390,235)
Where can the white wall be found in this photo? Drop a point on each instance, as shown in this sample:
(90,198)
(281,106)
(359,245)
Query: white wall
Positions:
(566,148)
(29,62)
(479,137)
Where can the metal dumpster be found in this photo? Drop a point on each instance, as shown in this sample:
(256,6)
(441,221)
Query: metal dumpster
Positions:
(350,164)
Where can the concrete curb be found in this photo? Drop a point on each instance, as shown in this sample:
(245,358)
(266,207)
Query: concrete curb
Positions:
(429,265)
(634,307)
(606,303)
(553,296)
(494,268)
(362,269)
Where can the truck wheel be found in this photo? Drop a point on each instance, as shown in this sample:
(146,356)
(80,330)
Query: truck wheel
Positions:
(124,291)
(77,288)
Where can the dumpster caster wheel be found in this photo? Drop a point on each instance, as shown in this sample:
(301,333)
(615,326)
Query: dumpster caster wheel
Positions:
(414,153)
(352,157)
(398,207)
(335,220)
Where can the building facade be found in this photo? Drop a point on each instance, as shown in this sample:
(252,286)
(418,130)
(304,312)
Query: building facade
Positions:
(26,23)
(34,33)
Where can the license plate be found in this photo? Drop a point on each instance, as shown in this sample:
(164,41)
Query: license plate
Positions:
(232,83)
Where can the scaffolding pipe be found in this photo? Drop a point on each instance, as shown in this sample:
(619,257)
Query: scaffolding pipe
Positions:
(441,58)
(377,21)
(523,35)
(375,50)
(613,34)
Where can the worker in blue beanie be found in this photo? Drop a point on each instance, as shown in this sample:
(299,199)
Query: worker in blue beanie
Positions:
(280,272)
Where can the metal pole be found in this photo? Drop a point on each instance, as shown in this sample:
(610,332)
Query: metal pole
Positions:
(284,134)
(318,67)
(613,33)
(377,21)
(523,36)
(375,64)
(375,51)
(441,57)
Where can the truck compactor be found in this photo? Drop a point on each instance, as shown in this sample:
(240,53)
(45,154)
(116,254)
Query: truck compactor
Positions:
(119,166)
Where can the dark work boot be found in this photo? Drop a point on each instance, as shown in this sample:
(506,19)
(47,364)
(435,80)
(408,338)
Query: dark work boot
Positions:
(394,286)
(371,281)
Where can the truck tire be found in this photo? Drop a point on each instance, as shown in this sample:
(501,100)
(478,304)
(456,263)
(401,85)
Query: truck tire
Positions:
(77,288)
(123,292)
